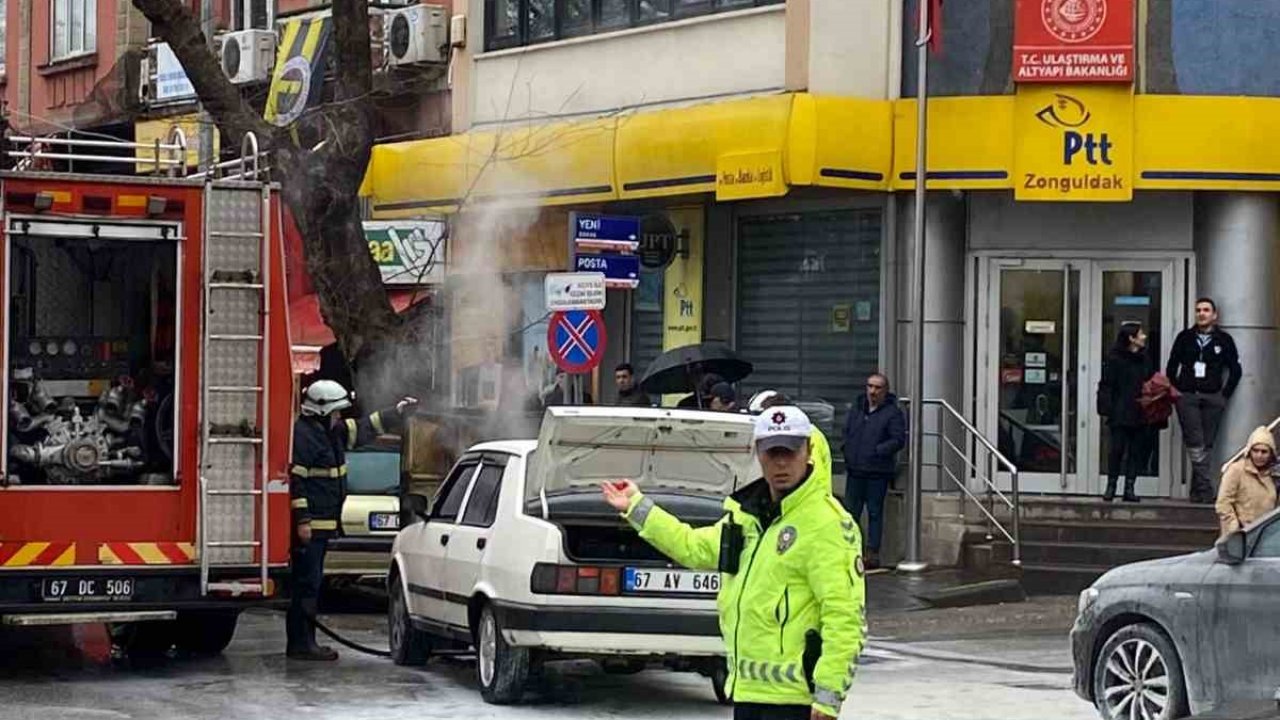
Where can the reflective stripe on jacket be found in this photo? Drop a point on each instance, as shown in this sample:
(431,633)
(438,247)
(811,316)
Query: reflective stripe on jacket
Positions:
(799,587)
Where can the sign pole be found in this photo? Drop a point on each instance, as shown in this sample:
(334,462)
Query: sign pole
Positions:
(912,562)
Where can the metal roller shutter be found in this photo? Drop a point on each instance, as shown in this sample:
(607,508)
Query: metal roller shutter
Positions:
(646,321)
(795,272)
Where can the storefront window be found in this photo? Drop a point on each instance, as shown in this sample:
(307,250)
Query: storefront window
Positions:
(809,307)
(512,23)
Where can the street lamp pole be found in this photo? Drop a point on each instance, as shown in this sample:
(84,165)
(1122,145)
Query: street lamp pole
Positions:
(913,561)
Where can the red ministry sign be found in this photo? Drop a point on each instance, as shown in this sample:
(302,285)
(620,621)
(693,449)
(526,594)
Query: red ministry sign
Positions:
(1065,41)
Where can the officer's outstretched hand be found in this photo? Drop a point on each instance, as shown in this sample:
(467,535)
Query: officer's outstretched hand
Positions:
(406,404)
(618,493)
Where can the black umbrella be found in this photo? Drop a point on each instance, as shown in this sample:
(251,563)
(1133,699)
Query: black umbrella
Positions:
(680,370)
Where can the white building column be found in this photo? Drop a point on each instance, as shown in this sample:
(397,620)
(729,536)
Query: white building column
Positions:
(1237,244)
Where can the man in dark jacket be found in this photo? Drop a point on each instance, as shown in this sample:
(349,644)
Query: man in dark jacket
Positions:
(874,432)
(629,394)
(1205,367)
(317,488)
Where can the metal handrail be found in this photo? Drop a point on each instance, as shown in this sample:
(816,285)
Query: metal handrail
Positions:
(995,458)
(1245,448)
(167,156)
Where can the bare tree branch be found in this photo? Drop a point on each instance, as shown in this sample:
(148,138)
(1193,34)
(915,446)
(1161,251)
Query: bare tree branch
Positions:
(174,23)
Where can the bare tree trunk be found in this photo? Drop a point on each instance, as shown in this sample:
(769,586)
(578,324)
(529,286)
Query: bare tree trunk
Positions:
(320,163)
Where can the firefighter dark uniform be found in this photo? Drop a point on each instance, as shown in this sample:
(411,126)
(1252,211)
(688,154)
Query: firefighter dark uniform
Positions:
(317,488)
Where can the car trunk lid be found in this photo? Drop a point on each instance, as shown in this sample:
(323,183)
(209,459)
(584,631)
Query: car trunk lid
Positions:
(682,452)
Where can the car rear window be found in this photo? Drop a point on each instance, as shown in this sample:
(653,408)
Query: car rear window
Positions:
(373,473)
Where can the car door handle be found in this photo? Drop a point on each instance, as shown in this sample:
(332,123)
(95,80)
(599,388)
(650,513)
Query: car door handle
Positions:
(444,539)
(481,543)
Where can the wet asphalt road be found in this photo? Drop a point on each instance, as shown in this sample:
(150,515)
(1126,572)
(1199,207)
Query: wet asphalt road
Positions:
(69,674)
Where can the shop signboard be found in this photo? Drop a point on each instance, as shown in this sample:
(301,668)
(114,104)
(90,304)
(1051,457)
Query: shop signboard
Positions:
(1073,143)
(408,252)
(620,271)
(1073,41)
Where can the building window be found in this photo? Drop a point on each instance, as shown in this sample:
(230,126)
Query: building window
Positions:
(512,23)
(75,28)
(4,27)
(253,14)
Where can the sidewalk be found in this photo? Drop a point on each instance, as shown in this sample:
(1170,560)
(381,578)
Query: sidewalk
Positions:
(894,612)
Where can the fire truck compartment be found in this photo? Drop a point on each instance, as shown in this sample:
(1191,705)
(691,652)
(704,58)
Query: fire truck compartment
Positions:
(91,349)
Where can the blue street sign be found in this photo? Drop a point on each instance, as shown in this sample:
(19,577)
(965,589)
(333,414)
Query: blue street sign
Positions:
(617,232)
(618,269)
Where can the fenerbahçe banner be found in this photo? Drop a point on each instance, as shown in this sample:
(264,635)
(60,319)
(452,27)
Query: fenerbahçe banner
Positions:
(299,72)
(1073,142)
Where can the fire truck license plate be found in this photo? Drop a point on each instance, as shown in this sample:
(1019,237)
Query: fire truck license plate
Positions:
(88,589)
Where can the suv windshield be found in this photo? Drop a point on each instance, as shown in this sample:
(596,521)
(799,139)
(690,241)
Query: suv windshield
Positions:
(373,472)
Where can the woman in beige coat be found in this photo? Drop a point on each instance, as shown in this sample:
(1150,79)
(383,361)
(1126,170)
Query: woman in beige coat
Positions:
(1247,491)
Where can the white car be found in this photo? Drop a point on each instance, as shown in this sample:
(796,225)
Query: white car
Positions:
(520,557)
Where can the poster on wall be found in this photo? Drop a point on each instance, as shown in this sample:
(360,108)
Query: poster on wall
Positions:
(1073,41)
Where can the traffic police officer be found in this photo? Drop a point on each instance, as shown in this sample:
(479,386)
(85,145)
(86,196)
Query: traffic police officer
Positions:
(792,595)
(819,448)
(317,488)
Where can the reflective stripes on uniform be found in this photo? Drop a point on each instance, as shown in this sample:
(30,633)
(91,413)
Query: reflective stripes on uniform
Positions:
(768,672)
(826,697)
(324,524)
(299,504)
(353,433)
(641,511)
(376,421)
(319,473)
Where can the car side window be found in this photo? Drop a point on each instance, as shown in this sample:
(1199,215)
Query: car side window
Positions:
(1268,545)
(449,501)
(482,508)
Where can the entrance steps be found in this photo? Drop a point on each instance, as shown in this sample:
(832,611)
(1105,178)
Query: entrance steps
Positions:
(1068,542)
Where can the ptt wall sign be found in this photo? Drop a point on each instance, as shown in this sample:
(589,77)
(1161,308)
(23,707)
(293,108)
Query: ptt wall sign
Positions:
(1074,143)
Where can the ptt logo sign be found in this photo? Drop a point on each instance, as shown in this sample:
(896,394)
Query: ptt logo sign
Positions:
(1086,152)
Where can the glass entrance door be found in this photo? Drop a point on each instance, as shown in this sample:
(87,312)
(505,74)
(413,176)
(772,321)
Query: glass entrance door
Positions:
(1036,387)
(1046,328)
(1142,293)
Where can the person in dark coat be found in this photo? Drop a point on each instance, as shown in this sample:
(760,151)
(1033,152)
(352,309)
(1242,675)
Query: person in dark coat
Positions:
(1126,369)
(1204,365)
(317,489)
(629,394)
(874,432)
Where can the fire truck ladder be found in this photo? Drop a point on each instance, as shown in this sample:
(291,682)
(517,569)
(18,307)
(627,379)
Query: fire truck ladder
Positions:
(234,380)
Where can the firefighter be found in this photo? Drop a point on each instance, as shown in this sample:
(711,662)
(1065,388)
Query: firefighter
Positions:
(793,593)
(317,487)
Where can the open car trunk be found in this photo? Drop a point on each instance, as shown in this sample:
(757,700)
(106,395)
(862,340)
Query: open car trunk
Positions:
(687,461)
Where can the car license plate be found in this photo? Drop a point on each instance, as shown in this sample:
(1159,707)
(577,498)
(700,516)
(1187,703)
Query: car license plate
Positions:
(88,589)
(384,521)
(640,580)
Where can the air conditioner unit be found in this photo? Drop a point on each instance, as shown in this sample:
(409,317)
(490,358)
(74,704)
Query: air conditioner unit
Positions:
(247,55)
(417,34)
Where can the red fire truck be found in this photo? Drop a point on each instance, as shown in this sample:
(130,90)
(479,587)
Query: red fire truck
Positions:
(149,396)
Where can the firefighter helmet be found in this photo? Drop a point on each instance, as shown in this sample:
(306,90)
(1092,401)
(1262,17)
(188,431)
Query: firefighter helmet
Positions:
(756,406)
(323,397)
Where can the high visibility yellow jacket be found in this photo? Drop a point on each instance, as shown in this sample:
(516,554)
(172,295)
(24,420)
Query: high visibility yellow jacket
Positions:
(820,453)
(799,587)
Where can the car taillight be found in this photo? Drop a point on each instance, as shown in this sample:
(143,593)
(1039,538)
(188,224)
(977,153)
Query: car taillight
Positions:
(551,579)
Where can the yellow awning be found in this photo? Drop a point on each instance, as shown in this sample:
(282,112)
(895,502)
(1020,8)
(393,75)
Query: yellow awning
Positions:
(738,149)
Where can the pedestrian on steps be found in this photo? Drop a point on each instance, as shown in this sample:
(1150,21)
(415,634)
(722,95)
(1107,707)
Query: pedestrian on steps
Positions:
(1205,367)
(1247,491)
(1126,369)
